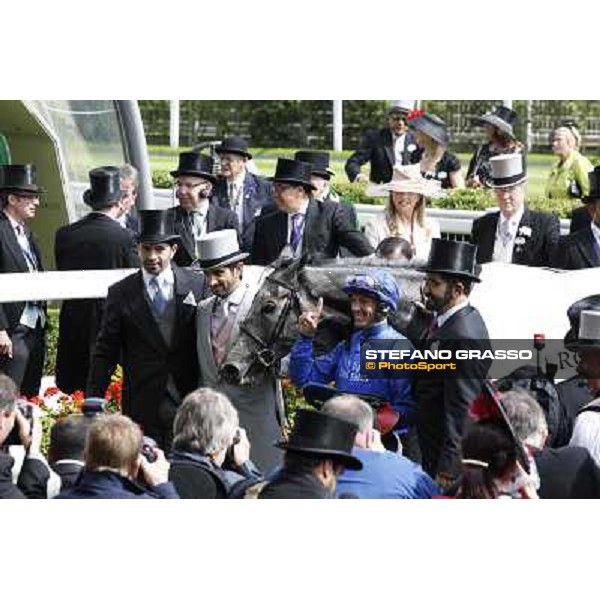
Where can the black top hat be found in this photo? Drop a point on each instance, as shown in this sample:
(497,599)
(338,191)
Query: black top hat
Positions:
(294,172)
(19,178)
(574,313)
(501,117)
(157,227)
(432,126)
(234,145)
(319,162)
(105,187)
(195,164)
(594,179)
(458,259)
(317,434)
(316,394)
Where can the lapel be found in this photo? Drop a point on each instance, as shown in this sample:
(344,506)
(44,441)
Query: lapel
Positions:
(184,312)
(311,222)
(205,353)
(13,246)
(211,218)
(388,146)
(487,238)
(240,317)
(183,229)
(278,235)
(141,314)
(522,252)
(251,204)
(585,242)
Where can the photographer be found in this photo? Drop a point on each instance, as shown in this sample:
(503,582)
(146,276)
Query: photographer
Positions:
(34,474)
(211,453)
(119,466)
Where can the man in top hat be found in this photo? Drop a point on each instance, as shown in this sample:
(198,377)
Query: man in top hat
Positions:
(149,327)
(581,250)
(320,178)
(443,402)
(586,432)
(239,190)
(392,146)
(303,225)
(22,324)
(130,182)
(97,241)
(196,215)
(514,234)
(218,321)
(499,130)
(317,452)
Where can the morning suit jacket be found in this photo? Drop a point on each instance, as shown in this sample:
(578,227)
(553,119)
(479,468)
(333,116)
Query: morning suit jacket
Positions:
(131,337)
(94,242)
(567,473)
(217,218)
(538,249)
(580,219)
(256,197)
(378,148)
(327,228)
(13,261)
(257,404)
(577,251)
(443,401)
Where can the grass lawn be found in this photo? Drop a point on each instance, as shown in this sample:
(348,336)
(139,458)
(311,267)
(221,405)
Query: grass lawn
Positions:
(165,159)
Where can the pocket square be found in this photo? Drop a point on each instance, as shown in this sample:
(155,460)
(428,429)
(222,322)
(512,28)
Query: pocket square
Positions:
(189,299)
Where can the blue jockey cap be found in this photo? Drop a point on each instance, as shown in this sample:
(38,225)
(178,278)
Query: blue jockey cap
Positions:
(375,282)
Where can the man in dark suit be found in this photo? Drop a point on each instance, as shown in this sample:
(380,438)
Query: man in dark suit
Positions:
(514,234)
(581,217)
(303,225)
(196,215)
(130,181)
(22,324)
(239,190)
(97,241)
(149,327)
(581,250)
(443,401)
(564,473)
(385,148)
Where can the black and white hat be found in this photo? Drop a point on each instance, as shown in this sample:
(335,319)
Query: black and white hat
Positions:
(507,170)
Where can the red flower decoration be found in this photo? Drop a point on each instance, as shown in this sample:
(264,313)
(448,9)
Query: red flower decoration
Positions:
(484,408)
(415,114)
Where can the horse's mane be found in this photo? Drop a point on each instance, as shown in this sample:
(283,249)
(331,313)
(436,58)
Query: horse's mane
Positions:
(369,261)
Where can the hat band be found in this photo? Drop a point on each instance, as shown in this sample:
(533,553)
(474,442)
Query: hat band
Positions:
(505,181)
(213,262)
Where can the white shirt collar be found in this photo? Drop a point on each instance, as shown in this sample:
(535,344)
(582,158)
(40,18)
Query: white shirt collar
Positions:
(165,279)
(202,207)
(236,296)
(302,210)
(441,319)
(514,220)
(239,180)
(14,222)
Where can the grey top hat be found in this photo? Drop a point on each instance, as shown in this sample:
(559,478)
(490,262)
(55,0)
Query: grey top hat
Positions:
(507,170)
(589,331)
(404,106)
(219,249)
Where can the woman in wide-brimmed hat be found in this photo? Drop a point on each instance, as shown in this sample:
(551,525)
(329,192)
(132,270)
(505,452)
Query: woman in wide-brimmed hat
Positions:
(436,162)
(404,215)
(569,176)
(500,139)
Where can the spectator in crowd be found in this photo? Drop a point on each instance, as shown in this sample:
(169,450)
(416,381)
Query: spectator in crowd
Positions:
(115,467)
(581,250)
(303,225)
(320,178)
(404,215)
(569,176)
(443,402)
(564,473)
(130,183)
(498,126)
(396,249)
(22,324)
(96,241)
(34,474)
(196,215)
(386,148)
(436,162)
(67,445)
(384,474)
(490,468)
(317,452)
(586,432)
(211,454)
(239,190)
(373,296)
(514,234)
(218,321)
(149,327)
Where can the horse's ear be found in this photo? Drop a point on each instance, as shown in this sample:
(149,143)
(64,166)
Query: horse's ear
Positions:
(305,259)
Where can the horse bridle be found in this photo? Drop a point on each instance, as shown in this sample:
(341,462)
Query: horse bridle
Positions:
(265,355)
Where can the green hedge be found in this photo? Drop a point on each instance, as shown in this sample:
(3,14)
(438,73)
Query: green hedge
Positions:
(51,342)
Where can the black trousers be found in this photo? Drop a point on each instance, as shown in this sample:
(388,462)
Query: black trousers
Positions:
(26,366)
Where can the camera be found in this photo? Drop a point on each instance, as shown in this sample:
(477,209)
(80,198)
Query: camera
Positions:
(149,449)
(13,438)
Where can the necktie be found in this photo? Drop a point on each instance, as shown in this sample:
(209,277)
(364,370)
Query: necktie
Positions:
(220,329)
(505,232)
(159,302)
(433,329)
(297,230)
(29,255)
